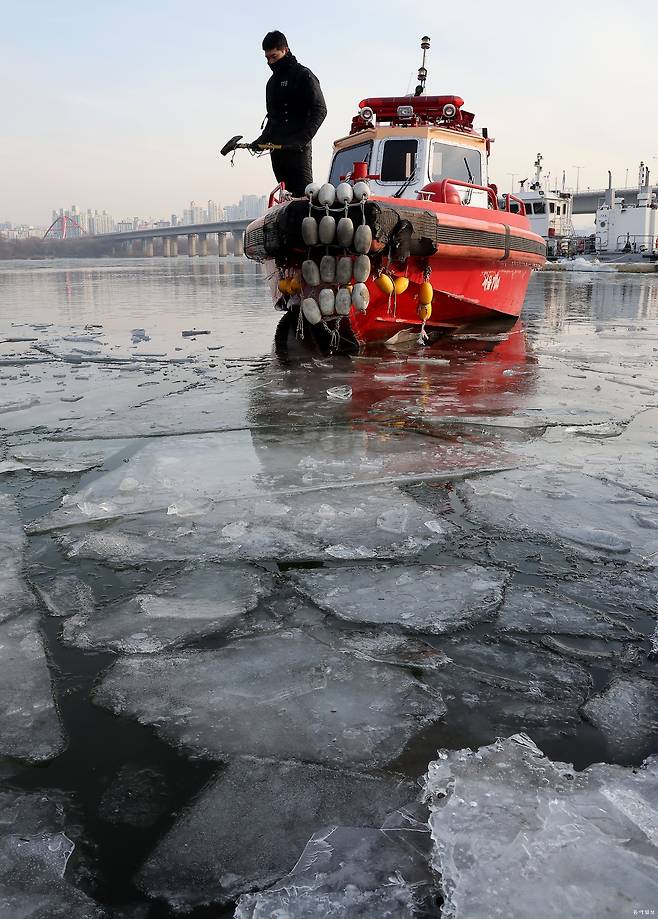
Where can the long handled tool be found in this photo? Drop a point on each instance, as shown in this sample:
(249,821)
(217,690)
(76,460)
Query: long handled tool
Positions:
(234,144)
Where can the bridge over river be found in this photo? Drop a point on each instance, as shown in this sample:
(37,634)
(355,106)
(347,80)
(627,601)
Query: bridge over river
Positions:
(164,240)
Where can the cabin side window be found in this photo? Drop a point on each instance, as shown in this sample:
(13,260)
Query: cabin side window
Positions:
(399,160)
(540,207)
(450,162)
(344,160)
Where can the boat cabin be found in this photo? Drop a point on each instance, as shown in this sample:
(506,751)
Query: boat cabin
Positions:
(549,212)
(409,141)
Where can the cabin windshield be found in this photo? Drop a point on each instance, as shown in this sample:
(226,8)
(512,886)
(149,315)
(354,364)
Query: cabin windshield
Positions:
(399,160)
(344,160)
(449,162)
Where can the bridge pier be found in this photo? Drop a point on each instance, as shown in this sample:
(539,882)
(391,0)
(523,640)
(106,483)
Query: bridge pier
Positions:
(174,246)
(166,246)
(128,248)
(238,243)
(222,244)
(203,244)
(191,244)
(148,248)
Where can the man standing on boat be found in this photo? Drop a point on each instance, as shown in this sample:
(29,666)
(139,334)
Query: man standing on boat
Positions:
(295,110)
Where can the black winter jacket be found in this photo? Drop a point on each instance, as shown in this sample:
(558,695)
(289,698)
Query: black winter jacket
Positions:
(295,104)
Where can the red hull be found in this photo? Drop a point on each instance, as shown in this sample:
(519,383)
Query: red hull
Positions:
(470,282)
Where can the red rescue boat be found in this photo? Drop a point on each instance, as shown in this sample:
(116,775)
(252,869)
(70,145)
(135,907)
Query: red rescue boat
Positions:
(409,207)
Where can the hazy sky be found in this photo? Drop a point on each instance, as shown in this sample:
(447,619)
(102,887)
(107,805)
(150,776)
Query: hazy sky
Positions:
(123,105)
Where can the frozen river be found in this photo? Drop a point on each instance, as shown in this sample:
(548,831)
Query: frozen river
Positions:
(289,636)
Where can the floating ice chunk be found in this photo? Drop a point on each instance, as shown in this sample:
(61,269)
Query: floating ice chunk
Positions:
(18,405)
(348,872)
(626,712)
(503,687)
(201,601)
(283,696)
(565,507)
(247,829)
(517,835)
(66,595)
(340,393)
(34,851)
(545,612)
(14,595)
(422,598)
(29,723)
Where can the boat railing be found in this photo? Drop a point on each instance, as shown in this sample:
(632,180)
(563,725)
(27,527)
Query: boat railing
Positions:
(508,200)
(278,195)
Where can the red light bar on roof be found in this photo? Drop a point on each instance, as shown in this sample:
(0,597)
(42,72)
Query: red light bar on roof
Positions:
(425,107)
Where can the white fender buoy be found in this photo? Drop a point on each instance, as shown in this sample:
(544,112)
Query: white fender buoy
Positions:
(345,232)
(310,231)
(310,272)
(326,195)
(361,269)
(360,297)
(361,191)
(343,302)
(327,301)
(311,311)
(344,193)
(363,238)
(344,270)
(312,189)
(328,269)
(327,231)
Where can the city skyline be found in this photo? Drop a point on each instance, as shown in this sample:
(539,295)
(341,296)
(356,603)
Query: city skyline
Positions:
(142,118)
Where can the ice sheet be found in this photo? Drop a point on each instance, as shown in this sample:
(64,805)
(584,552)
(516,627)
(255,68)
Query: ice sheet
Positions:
(201,600)
(284,696)
(517,835)
(248,827)
(194,470)
(421,598)
(65,595)
(30,728)
(354,523)
(626,711)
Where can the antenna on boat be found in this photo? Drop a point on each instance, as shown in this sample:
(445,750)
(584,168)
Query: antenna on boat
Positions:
(422,70)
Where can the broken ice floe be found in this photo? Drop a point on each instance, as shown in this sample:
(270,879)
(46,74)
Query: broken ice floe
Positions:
(201,600)
(65,595)
(626,712)
(350,871)
(248,827)
(30,728)
(592,517)
(14,595)
(421,598)
(518,835)
(552,612)
(356,523)
(34,852)
(498,688)
(284,696)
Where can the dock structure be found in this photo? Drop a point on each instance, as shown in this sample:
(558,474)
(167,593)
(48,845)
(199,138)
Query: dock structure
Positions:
(164,240)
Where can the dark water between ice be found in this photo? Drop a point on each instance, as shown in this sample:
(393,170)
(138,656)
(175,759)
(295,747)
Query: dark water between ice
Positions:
(347,563)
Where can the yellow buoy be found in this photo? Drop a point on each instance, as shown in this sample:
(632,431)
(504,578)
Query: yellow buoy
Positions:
(284,285)
(400,285)
(425,311)
(294,285)
(385,284)
(425,293)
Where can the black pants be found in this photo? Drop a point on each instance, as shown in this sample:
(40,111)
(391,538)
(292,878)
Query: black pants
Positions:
(293,168)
